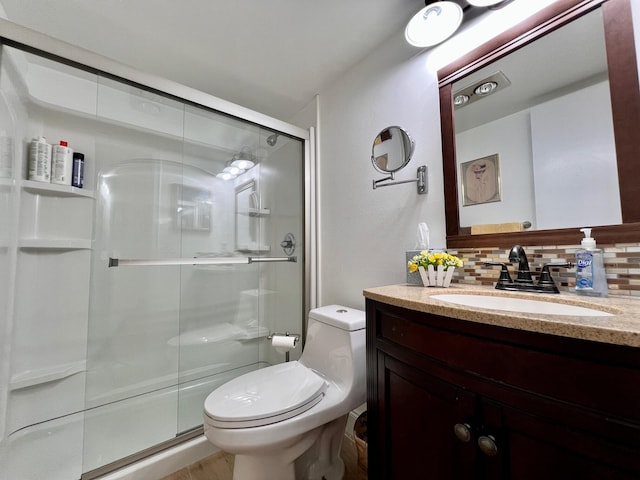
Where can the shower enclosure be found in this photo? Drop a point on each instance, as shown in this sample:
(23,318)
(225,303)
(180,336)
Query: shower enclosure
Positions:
(126,302)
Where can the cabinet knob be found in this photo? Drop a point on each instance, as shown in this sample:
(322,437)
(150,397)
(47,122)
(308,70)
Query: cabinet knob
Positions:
(462,431)
(487,444)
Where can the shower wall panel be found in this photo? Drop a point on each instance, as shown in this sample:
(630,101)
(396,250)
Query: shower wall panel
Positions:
(48,257)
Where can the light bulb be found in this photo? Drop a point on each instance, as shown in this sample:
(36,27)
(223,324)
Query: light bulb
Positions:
(460,100)
(485,88)
(233,170)
(242,163)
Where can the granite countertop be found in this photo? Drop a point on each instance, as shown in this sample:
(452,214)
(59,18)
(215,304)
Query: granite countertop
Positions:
(622,328)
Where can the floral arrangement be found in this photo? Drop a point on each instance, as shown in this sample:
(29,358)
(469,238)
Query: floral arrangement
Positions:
(426,258)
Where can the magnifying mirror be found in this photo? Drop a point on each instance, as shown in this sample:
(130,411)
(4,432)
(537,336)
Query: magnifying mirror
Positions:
(392,149)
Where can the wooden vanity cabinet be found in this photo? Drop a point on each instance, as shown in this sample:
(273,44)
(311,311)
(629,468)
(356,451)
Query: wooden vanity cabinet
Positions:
(454,399)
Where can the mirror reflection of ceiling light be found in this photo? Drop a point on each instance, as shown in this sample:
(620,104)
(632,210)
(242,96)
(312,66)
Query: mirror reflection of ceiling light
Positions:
(480,89)
(244,160)
(460,100)
(242,163)
(233,170)
(433,24)
(486,88)
(237,165)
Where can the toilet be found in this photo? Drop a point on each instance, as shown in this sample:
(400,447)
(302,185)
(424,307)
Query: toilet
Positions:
(286,421)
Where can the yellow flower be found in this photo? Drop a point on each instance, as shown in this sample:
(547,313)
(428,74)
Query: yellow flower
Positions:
(426,258)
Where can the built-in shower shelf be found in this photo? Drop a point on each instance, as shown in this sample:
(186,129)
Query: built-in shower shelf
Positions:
(257,292)
(43,188)
(221,332)
(55,244)
(30,378)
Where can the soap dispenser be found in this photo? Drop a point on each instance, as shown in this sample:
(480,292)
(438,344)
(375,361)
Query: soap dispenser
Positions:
(591,279)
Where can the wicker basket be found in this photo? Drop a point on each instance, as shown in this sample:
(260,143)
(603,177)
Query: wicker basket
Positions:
(360,438)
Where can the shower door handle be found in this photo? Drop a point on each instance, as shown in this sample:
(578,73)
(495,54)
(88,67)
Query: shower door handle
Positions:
(125,262)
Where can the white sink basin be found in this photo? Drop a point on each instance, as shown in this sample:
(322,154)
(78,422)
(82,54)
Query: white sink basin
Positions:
(520,305)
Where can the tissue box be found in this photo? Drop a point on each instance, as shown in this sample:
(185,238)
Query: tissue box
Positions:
(413,278)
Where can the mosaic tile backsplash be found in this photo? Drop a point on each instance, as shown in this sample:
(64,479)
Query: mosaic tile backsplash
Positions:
(621,262)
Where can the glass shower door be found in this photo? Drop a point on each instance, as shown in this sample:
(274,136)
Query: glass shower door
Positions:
(228,311)
(132,371)
(220,329)
(104,364)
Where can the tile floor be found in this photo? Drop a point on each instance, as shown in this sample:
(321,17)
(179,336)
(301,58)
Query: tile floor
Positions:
(220,466)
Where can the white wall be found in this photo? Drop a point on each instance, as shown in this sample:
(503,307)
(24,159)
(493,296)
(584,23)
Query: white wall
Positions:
(510,138)
(574,160)
(364,232)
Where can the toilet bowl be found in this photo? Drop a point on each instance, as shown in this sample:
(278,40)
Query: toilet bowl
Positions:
(286,421)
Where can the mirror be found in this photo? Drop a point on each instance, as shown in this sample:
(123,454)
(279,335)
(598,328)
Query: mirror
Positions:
(547,125)
(392,149)
(193,208)
(246,228)
(539,184)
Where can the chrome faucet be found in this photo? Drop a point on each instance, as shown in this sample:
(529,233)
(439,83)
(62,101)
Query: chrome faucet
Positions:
(524,281)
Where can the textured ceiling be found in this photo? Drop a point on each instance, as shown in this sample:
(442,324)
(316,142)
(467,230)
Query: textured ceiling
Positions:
(272,56)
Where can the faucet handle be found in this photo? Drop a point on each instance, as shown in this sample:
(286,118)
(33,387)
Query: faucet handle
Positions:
(504,273)
(545,281)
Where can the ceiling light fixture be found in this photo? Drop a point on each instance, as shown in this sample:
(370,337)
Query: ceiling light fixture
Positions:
(485,3)
(433,24)
(439,20)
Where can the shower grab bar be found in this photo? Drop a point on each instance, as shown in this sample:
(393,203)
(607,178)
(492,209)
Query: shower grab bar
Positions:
(122,262)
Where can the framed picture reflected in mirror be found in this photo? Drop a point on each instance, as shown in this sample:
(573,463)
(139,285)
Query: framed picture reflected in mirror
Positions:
(480,180)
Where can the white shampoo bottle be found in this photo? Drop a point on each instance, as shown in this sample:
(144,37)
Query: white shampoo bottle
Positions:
(62,164)
(39,160)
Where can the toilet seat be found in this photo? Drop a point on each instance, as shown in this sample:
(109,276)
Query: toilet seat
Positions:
(265,396)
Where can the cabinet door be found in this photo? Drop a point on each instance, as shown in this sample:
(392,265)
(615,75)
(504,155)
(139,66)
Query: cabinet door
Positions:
(540,448)
(417,415)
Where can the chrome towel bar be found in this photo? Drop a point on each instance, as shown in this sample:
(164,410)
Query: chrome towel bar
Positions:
(122,262)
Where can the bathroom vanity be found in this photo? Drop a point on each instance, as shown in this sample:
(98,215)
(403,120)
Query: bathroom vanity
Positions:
(457,392)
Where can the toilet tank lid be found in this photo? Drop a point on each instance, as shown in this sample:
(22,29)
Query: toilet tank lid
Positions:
(338,316)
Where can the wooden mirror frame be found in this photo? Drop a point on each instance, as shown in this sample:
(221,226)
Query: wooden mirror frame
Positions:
(625,106)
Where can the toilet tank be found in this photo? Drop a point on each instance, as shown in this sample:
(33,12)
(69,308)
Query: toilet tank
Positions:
(338,316)
(335,346)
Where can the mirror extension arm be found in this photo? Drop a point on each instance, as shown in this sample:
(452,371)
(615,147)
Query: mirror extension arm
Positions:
(421,181)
